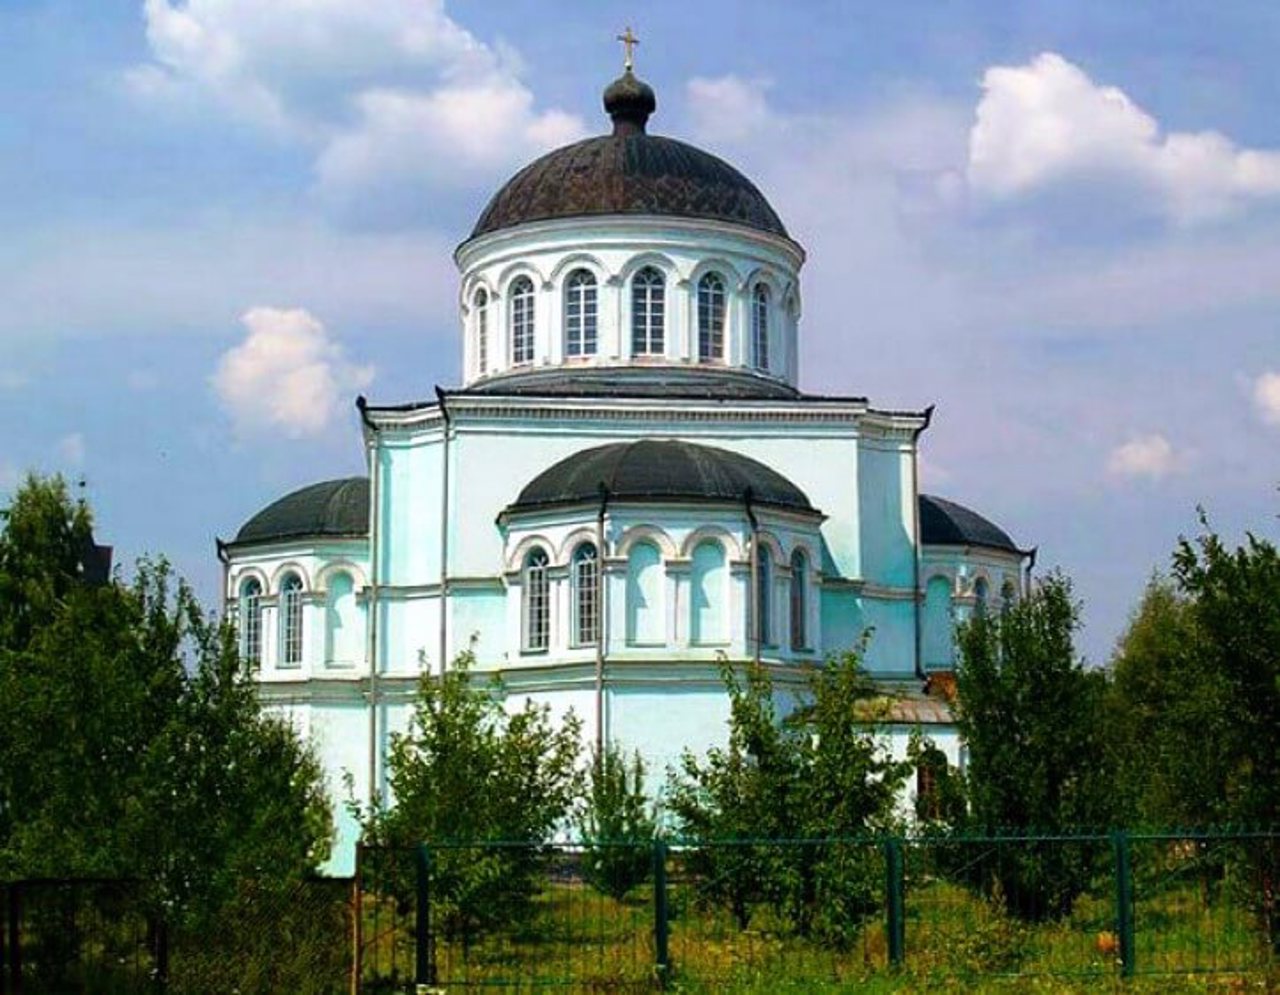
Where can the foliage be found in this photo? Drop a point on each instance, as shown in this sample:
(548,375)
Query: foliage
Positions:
(946,805)
(133,742)
(819,774)
(616,823)
(1028,710)
(469,772)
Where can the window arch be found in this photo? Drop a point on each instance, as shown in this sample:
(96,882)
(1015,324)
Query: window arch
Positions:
(480,304)
(536,590)
(645,617)
(648,312)
(250,609)
(586,595)
(760,326)
(707,595)
(711,300)
(799,600)
(291,621)
(764,595)
(580,313)
(521,296)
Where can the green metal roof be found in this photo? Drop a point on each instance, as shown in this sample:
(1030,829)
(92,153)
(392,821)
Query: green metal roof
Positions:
(335,508)
(945,523)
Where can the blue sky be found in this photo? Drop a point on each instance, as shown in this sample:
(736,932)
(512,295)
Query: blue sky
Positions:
(1060,222)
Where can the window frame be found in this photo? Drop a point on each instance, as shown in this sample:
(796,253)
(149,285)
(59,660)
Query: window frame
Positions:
(523,320)
(480,305)
(581,314)
(648,312)
(712,308)
(535,602)
(292,644)
(764,596)
(585,582)
(799,601)
(761,302)
(249,613)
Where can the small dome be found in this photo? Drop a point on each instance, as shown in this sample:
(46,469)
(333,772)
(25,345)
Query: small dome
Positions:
(658,470)
(945,523)
(629,172)
(333,508)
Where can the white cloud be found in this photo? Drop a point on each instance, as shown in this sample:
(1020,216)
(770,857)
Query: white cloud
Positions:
(728,108)
(1266,397)
(1047,121)
(381,90)
(1150,456)
(288,374)
(71,450)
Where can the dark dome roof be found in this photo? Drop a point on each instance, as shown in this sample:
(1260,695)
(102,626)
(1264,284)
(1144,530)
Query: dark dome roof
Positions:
(331,508)
(945,523)
(629,172)
(659,469)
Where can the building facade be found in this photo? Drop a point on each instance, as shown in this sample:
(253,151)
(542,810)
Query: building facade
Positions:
(628,487)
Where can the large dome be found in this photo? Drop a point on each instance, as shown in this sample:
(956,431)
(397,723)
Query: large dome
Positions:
(945,523)
(660,470)
(331,509)
(629,172)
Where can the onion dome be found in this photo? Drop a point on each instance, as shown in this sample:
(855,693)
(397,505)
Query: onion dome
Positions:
(331,509)
(945,523)
(660,470)
(629,172)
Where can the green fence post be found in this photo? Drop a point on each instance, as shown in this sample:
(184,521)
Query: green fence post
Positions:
(662,962)
(895,913)
(424,968)
(1124,902)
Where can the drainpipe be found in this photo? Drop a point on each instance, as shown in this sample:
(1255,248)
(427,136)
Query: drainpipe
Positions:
(1031,563)
(371,599)
(225,560)
(915,527)
(755,572)
(602,615)
(444,528)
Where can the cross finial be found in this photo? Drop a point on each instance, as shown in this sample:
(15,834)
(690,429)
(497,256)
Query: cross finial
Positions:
(629,42)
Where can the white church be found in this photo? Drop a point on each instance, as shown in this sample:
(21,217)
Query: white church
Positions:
(628,487)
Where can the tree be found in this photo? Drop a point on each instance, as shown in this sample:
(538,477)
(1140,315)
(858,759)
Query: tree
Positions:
(468,773)
(820,775)
(1027,710)
(616,823)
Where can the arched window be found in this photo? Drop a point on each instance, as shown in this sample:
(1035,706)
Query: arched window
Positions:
(760,326)
(707,595)
(251,623)
(521,296)
(799,600)
(291,621)
(537,602)
(980,592)
(938,624)
(764,596)
(710,318)
(648,306)
(480,304)
(342,621)
(586,595)
(645,617)
(1008,595)
(580,314)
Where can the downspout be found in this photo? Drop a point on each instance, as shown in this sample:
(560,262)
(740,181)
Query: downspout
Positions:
(602,616)
(755,573)
(371,599)
(1030,554)
(915,528)
(444,529)
(225,560)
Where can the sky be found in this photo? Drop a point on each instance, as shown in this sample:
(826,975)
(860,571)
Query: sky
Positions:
(1057,221)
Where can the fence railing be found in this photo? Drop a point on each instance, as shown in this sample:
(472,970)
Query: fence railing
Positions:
(745,915)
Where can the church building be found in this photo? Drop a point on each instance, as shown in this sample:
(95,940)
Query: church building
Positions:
(628,487)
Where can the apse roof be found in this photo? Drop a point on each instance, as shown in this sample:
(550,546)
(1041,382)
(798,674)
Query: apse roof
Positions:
(945,523)
(660,469)
(629,172)
(332,508)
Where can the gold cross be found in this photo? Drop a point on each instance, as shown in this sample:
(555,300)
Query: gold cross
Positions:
(629,41)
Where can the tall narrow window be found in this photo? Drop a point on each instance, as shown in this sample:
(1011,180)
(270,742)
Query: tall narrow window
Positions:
(521,297)
(764,596)
(580,314)
(760,326)
(980,593)
(251,623)
(586,595)
(291,621)
(537,602)
(648,305)
(480,304)
(710,318)
(799,601)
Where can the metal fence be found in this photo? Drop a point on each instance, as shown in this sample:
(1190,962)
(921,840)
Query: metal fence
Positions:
(743,915)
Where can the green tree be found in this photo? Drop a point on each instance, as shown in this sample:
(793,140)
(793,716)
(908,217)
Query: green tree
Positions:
(616,823)
(1028,710)
(821,774)
(467,773)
